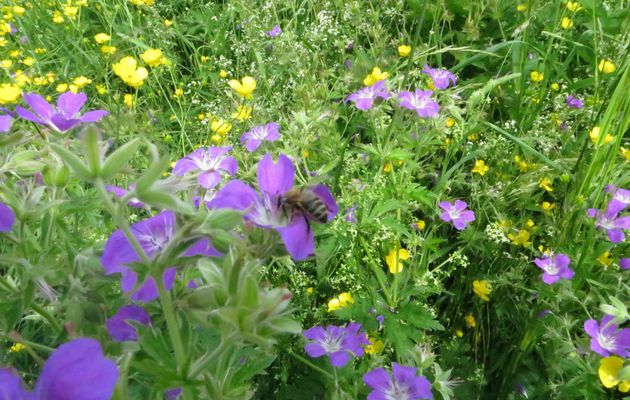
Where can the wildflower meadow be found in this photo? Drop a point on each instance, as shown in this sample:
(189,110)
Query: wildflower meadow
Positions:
(314,199)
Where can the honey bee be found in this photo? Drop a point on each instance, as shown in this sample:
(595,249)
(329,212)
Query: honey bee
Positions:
(306,201)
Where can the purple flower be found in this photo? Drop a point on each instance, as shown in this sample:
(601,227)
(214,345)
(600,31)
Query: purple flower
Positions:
(442,78)
(404,385)
(620,198)
(274,32)
(554,268)
(209,161)
(120,329)
(606,339)
(364,98)
(66,115)
(574,102)
(350,214)
(611,222)
(7,218)
(421,102)
(173,393)
(255,136)
(338,342)
(153,234)
(75,370)
(120,192)
(624,263)
(456,213)
(268,210)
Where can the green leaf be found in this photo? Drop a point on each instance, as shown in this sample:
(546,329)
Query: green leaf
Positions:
(74,162)
(119,159)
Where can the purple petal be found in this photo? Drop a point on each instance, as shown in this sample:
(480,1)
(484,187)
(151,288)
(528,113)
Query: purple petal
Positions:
(314,350)
(615,235)
(28,115)
(378,379)
(93,116)
(622,223)
(202,247)
(298,238)
(460,205)
(184,165)
(562,260)
(273,131)
(11,387)
(6,121)
(252,145)
(315,333)
(624,263)
(39,105)
(118,326)
(467,216)
(446,206)
(275,179)
(550,279)
(7,218)
(459,224)
(591,327)
(69,104)
(77,370)
(566,273)
(118,252)
(229,165)
(403,373)
(235,195)
(339,358)
(209,179)
(329,201)
(62,123)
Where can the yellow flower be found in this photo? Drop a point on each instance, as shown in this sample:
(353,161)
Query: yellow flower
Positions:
(201,117)
(547,206)
(153,57)
(566,23)
(404,50)
(473,137)
(482,289)
(388,167)
(216,139)
(222,74)
(555,86)
(523,166)
(341,301)
(40,50)
(421,225)
(179,92)
(594,135)
(14,53)
(545,183)
(243,112)
(168,22)
(129,100)
(310,290)
(9,93)
(70,11)
(204,59)
(521,238)
(375,346)
(480,167)
(471,322)
(101,89)
(605,259)
(375,76)
(127,69)
(6,63)
(573,6)
(606,66)
(81,81)
(221,127)
(536,76)
(393,260)
(450,122)
(609,368)
(245,88)
(28,61)
(101,38)
(18,10)
(625,153)
(459,333)
(108,49)
(521,8)
(16,348)
(62,87)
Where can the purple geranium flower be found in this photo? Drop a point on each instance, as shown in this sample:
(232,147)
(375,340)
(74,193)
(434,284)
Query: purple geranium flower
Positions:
(620,198)
(66,115)
(153,234)
(554,268)
(405,384)
(574,102)
(442,78)
(350,214)
(364,98)
(421,102)
(120,192)
(268,210)
(120,329)
(624,263)
(456,213)
(338,342)
(255,136)
(606,339)
(274,32)
(75,370)
(611,222)
(7,218)
(209,161)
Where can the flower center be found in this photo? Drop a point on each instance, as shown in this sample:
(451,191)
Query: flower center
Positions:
(396,392)
(606,342)
(208,163)
(332,343)
(552,268)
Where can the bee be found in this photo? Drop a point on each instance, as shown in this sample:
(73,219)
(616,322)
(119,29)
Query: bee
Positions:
(306,201)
